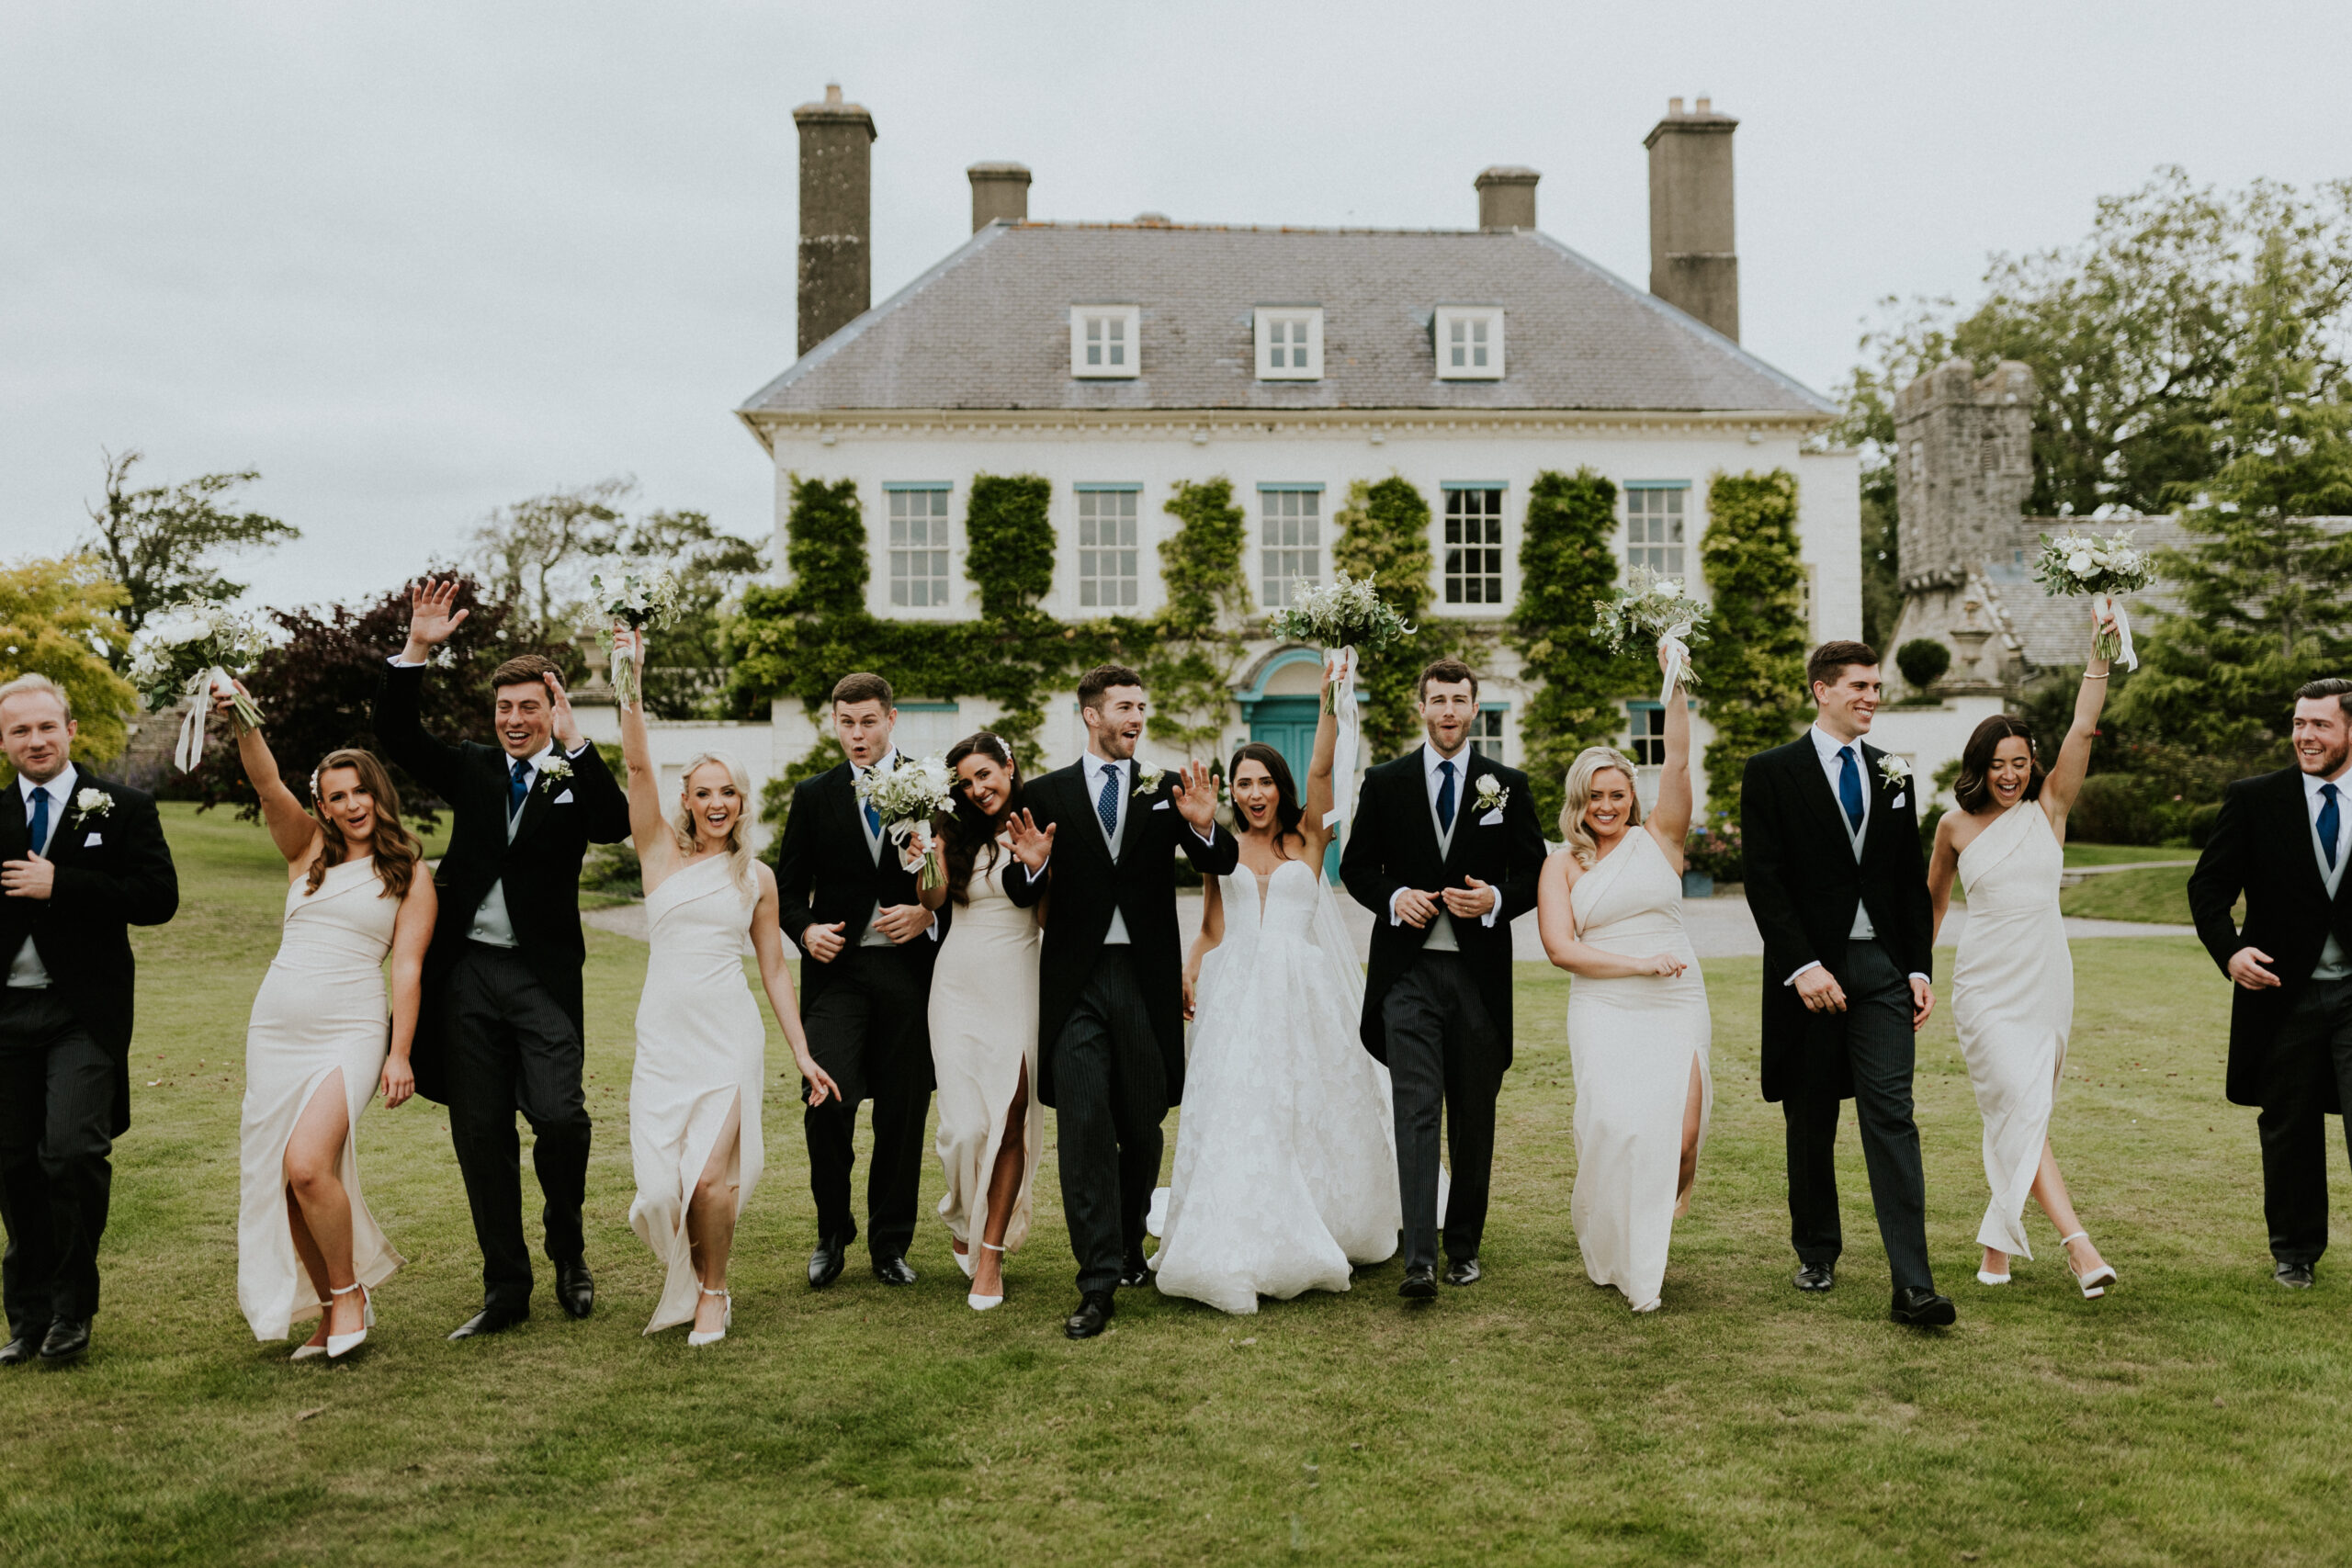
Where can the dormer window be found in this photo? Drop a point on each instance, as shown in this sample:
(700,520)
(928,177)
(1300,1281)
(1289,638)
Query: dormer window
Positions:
(1290,343)
(1105,341)
(1469,341)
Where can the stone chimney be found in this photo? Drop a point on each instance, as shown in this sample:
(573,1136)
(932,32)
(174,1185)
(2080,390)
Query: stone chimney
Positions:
(836,277)
(999,191)
(1693,262)
(1507,197)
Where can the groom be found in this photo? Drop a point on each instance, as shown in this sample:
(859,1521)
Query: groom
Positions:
(2281,840)
(1840,891)
(81,859)
(500,1027)
(1111,982)
(1445,854)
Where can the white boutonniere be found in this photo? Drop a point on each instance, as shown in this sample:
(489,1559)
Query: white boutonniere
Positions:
(1893,769)
(1489,794)
(558,770)
(91,803)
(1149,783)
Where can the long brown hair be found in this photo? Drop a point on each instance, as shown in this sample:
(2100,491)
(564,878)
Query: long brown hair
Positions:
(966,829)
(1288,809)
(395,848)
(1972,790)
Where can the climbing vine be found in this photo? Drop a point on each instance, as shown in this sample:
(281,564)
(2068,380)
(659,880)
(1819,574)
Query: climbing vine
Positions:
(1201,631)
(1751,668)
(1384,535)
(1566,563)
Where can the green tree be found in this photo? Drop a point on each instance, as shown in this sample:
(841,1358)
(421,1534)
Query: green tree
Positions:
(1384,536)
(1566,566)
(160,543)
(61,618)
(1189,668)
(692,652)
(1751,668)
(538,552)
(1009,531)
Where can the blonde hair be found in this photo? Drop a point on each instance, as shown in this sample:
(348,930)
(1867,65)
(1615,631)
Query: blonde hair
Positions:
(41,683)
(1594,759)
(739,837)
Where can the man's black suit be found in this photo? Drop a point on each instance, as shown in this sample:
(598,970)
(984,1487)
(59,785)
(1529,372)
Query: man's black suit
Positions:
(2291,1045)
(867,1013)
(66,1050)
(1805,883)
(502,1029)
(1442,1021)
(1110,1019)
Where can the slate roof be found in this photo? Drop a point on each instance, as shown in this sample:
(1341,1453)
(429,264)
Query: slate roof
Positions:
(988,327)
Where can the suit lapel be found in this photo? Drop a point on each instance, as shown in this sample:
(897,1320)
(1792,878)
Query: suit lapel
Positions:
(1080,803)
(1464,818)
(1814,784)
(851,811)
(2298,806)
(15,830)
(534,805)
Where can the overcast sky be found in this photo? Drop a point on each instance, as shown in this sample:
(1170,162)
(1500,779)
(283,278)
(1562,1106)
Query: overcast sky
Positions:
(415,261)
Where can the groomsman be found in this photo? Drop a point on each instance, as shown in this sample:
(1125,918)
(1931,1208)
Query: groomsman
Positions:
(1445,854)
(1840,891)
(2282,840)
(82,858)
(845,897)
(501,1028)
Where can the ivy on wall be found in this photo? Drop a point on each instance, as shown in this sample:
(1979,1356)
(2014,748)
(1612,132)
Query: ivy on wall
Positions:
(1384,535)
(1566,563)
(1751,668)
(1202,630)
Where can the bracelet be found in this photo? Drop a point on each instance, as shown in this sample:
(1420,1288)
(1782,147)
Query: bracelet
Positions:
(2095,677)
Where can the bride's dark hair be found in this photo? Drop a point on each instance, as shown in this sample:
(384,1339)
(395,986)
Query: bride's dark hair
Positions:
(966,829)
(1972,788)
(1288,810)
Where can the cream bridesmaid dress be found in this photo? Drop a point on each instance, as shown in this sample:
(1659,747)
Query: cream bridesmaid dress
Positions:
(1631,1043)
(701,1051)
(321,1009)
(983,1031)
(2013,1005)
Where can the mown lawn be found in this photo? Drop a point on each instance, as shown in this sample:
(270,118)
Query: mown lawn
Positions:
(2197,1416)
(2158,894)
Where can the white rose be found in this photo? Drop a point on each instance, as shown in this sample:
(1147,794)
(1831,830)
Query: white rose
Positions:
(2080,563)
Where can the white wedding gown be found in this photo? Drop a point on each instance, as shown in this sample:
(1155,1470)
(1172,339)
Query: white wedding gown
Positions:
(2013,1004)
(701,1051)
(1631,1044)
(1285,1150)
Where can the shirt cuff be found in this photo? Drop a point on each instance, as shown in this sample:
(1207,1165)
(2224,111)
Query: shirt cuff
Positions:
(1207,838)
(576,750)
(1487,919)
(1393,918)
(1921,978)
(397,662)
(1800,973)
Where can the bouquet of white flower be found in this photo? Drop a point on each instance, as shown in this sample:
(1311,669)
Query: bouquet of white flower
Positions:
(2078,566)
(906,796)
(639,601)
(1347,619)
(1655,609)
(189,656)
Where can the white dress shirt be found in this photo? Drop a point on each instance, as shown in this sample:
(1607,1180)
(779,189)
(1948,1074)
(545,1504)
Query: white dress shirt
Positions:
(1826,747)
(1441,927)
(2332,962)
(25,971)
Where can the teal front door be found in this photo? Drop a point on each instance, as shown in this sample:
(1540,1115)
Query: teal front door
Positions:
(1287,724)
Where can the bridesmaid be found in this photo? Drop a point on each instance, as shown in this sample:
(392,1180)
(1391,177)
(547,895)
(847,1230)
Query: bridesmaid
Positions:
(1610,912)
(2013,980)
(693,1098)
(984,1019)
(355,892)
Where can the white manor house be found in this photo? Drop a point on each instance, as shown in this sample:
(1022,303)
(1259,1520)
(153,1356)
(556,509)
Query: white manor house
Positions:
(1118,359)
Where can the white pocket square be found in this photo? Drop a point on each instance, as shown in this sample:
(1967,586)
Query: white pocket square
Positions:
(1493,819)
(563,799)
(1159,806)
(94,841)
(1897,803)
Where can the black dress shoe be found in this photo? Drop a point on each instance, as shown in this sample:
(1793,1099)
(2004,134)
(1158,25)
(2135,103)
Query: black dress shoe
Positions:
(68,1338)
(2294,1276)
(1922,1308)
(575,1289)
(1094,1310)
(19,1350)
(1421,1281)
(1817,1276)
(490,1320)
(825,1263)
(1463,1271)
(893,1270)
(1135,1270)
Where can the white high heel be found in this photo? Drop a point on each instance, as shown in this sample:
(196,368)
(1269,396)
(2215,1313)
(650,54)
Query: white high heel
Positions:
(963,1261)
(978,1302)
(697,1339)
(1986,1277)
(2094,1283)
(305,1350)
(339,1345)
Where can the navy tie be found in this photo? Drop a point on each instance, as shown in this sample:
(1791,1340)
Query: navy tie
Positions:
(518,787)
(1445,796)
(1107,807)
(1849,787)
(41,821)
(2328,823)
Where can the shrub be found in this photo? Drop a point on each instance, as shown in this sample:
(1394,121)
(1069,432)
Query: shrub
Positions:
(1717,851)
(2116,808)
(1934,814)
(612,869)
(2201,823)
(1923,661)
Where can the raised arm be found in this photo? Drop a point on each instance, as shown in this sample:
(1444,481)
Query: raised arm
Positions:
(775,978)
(400,726)
(2065,780)
(1320,785)
(293,829)
(605,809)
(656,845)
(1032,829)
(1670,821)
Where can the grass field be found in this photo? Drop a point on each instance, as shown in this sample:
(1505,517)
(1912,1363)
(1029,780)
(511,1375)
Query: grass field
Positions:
(2158,894)
(2195,1416)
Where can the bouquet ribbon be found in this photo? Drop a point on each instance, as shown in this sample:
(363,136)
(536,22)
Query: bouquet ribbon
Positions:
(188,751)
(933,873)
(1349,747)
(2121,648)
(1677,658)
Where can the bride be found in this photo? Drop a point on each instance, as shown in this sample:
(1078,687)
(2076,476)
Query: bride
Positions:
(1285,1160)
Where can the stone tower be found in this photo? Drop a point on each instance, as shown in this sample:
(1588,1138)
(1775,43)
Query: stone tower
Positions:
(1963,470)
(836,275)
(1694,262)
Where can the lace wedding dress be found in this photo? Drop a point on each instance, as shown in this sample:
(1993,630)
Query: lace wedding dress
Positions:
(1285,1147)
